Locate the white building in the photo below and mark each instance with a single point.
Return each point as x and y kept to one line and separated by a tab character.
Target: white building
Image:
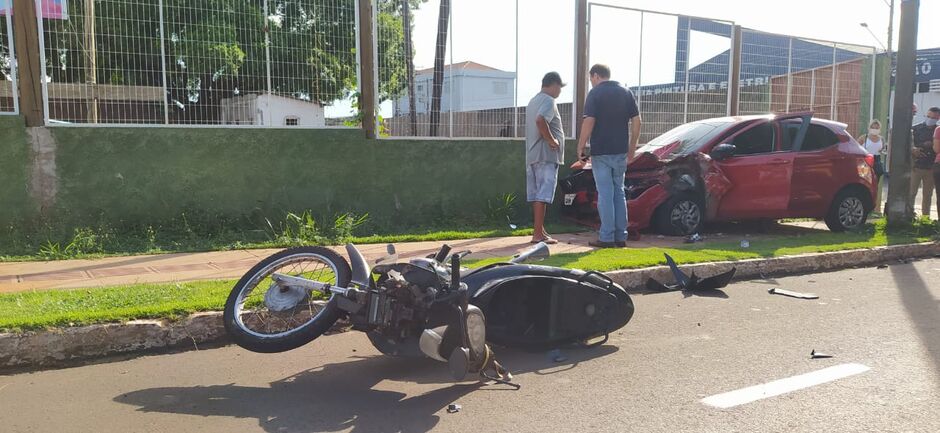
271	110
477	87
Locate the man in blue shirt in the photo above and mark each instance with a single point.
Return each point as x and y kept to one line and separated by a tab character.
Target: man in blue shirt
612	124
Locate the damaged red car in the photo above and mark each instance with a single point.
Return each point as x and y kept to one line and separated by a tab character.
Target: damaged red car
739	168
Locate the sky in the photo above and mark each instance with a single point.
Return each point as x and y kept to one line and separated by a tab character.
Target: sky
484	31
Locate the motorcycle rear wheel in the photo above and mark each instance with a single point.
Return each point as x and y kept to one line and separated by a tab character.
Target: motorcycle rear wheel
263	317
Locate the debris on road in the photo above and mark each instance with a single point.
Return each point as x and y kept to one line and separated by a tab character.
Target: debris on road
454	408
776	291
555	355
745	243
690	283
693	238
818	355
882	266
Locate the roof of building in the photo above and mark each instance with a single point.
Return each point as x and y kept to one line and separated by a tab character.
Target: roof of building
468	65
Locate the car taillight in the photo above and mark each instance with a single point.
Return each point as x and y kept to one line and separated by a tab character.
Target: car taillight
870	159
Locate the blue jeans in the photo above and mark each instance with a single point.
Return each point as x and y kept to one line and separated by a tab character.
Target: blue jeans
609	171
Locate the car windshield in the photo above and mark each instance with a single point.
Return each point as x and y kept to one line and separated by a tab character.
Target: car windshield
685	139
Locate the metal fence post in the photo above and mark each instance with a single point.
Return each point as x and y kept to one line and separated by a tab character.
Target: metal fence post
367	57
29	57
734	71
13	65
688	55
166	90
834	84
267	45
580	63
871	97
515	84
789	74
639	73
450	92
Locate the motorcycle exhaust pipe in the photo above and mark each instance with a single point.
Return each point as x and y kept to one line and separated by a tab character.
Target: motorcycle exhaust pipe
538	252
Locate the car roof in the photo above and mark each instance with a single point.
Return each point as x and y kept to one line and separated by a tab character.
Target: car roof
771	116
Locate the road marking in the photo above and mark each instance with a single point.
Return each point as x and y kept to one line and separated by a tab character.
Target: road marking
783	386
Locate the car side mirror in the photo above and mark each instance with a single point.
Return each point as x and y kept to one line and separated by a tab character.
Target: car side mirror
723	151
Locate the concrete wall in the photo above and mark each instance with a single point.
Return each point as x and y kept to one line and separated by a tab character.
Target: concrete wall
133	176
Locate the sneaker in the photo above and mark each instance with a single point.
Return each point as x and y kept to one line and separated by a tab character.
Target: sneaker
602	244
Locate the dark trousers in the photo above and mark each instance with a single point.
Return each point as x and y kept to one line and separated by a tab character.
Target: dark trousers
936	182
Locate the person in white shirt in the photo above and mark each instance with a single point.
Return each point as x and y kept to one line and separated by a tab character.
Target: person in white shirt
874	144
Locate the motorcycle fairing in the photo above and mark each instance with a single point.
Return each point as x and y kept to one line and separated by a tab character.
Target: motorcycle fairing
537	307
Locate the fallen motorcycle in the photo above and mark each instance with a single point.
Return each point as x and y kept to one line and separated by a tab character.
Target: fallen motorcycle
428	306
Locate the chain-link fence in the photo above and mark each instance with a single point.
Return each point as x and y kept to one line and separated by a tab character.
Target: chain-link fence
213	62
471	67
9	103
781	73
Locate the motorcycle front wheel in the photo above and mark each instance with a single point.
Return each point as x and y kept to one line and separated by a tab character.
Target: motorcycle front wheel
263	316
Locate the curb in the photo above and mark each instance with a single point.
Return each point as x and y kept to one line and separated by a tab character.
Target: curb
61	347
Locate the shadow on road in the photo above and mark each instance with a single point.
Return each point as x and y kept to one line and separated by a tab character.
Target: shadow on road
922	306
340	396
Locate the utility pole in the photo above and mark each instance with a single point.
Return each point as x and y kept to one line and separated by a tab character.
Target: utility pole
26	41
899	185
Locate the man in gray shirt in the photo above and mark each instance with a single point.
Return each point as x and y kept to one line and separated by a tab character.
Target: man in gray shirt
544	152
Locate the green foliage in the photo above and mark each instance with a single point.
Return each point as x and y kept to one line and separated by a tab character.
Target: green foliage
217	48
501	209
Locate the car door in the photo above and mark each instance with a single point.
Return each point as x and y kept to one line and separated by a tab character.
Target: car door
759	173
815	170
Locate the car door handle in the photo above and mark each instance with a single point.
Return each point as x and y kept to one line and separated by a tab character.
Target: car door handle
778	161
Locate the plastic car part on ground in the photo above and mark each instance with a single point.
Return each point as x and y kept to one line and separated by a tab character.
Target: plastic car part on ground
690	283
792	294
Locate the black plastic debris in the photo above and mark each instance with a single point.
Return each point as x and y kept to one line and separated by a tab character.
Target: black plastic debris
555	355
882	266
690	283
693	238
792	294
454	408
818	355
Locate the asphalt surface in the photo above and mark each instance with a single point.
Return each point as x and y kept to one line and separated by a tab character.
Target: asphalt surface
652	376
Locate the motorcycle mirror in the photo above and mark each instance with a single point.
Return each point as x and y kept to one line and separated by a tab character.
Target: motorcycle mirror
538	252
511	225
391	257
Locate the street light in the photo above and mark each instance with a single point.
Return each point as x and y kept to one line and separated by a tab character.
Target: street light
865	25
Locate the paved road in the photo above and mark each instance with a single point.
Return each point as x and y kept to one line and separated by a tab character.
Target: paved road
651	377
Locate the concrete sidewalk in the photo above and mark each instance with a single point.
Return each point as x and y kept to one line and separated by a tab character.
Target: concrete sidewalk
19	276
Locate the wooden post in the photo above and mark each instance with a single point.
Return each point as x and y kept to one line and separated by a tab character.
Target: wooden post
580	62
367	67
734	87
91	61
26	39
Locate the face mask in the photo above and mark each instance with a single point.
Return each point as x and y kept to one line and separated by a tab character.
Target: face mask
931	122
874	131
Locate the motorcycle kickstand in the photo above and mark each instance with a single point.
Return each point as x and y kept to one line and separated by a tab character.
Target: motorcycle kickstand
500	370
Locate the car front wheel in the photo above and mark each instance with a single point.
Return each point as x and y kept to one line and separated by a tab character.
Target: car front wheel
681	215
847	212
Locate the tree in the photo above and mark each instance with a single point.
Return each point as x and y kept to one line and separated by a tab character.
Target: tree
217	49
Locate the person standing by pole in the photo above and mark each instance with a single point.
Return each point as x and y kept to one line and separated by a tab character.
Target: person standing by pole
612	124
544	152
922	151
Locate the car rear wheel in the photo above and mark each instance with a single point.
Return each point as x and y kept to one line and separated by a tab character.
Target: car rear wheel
680	215
848	211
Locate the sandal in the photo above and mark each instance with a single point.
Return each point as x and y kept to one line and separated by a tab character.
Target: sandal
549	241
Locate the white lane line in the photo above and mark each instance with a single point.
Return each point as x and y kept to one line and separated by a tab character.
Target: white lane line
783	386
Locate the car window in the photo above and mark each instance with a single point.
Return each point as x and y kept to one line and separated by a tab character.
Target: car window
759	139
818	137
686	138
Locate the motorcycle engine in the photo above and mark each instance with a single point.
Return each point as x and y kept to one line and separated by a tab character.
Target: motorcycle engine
404	295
